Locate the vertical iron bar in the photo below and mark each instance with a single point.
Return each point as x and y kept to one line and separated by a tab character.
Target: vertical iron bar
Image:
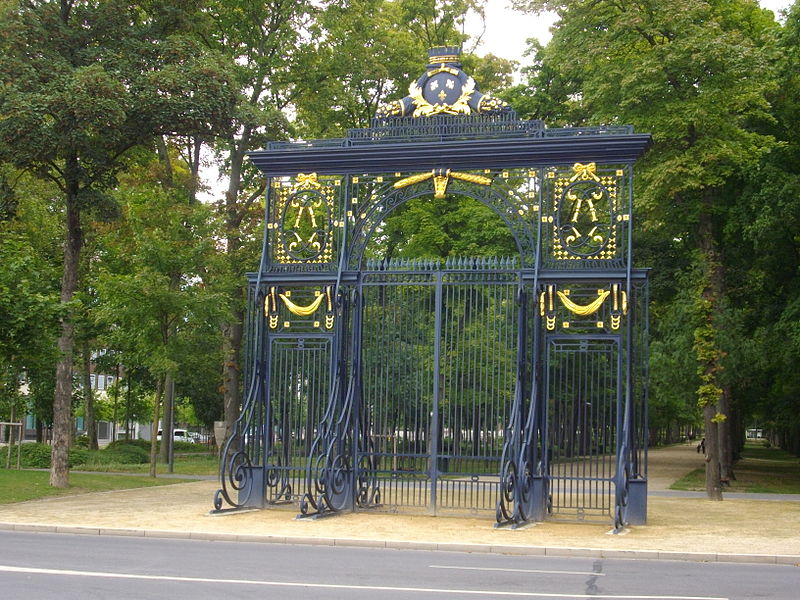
437	351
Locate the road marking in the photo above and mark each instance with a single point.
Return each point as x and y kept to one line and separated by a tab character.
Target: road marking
333	586
518	570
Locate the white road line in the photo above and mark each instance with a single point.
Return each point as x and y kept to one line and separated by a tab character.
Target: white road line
330	586
517	570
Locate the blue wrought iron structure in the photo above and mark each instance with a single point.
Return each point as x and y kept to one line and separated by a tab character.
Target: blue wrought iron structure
508	386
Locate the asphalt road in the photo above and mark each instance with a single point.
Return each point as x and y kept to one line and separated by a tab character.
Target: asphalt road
60	566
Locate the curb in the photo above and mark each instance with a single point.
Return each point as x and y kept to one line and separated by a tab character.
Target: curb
773	559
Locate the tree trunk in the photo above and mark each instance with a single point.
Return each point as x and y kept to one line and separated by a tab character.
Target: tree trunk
128	390
232	346
166	423
713	486
88	399
62	401
706	345
233	331
725	428
154	426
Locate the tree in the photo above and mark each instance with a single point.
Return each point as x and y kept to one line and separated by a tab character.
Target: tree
154	284
85	81
695	74
259	40
28	296
763	259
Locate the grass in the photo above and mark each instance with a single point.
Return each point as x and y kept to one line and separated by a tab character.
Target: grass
761	470
19	486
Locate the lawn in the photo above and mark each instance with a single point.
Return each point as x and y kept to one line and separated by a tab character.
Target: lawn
761	470
19	486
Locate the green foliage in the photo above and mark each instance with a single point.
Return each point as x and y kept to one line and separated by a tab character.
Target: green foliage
123	445
453	226
126	454
35	456
154	276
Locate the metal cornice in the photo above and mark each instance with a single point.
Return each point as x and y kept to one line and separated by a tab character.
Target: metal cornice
462	154
349	277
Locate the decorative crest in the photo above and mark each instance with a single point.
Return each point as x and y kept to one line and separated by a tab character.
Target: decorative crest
444	89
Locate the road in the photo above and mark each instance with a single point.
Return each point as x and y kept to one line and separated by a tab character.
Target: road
59	566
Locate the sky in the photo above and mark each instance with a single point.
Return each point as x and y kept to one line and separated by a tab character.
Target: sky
507	30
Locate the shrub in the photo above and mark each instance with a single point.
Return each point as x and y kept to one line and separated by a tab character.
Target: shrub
125	455
143	444
189	447
82	441
35	456
78	456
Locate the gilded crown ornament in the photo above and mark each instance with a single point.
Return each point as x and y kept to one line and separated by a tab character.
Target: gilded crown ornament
444	89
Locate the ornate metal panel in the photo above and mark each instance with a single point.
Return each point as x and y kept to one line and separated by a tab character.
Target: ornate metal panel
583	423
304	222
512	194
586	217
299	384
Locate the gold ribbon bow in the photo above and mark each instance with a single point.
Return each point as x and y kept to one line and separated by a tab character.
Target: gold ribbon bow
584	172
306	181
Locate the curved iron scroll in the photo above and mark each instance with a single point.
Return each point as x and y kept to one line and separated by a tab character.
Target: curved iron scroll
624	472
329	470
236	471
515	472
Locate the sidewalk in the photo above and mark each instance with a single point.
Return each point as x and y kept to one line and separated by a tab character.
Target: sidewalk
680	528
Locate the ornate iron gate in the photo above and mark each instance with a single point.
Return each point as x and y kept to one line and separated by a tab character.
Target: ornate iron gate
513	386
439	371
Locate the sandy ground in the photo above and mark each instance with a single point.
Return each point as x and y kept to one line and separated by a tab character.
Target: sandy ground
674	524
666	465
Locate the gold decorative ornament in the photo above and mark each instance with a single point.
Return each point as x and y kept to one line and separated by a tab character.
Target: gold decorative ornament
588	198
302	311
306	181
271	308
547	307
588	309
426	109
303	221
441	178
585	172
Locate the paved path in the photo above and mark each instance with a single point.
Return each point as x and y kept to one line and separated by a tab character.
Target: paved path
682	526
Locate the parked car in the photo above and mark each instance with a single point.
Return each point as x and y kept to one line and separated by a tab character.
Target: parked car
178	435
